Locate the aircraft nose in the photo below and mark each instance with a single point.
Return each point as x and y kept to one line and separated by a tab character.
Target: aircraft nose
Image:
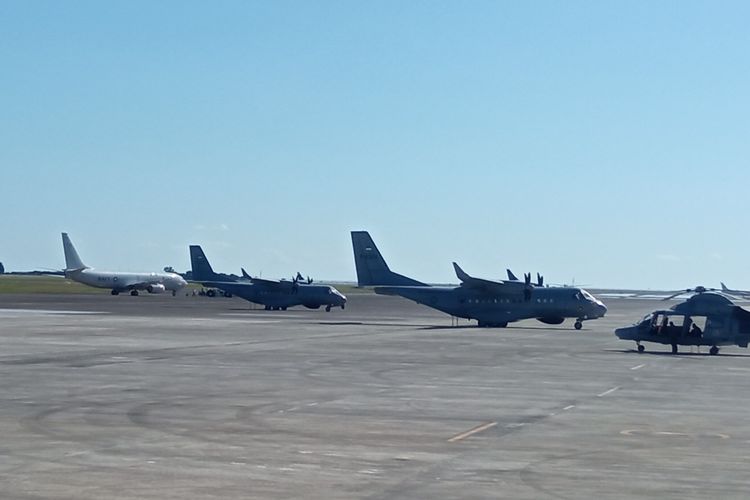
623	333
602	309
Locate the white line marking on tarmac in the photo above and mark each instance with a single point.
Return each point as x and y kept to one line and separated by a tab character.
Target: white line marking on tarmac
609	391
569	407
472	431
638	367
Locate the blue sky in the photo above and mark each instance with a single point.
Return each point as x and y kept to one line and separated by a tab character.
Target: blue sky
602	141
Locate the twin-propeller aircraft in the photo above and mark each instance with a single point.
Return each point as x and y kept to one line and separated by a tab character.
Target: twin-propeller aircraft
491	303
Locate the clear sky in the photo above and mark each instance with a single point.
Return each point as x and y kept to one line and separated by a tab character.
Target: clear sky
606	141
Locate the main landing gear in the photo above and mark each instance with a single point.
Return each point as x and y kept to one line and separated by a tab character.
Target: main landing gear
641	348
674	348
713	351
578	325
134	293
115	292
328	308
487	324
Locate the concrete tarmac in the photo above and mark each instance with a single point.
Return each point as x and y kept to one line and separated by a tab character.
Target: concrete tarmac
160	397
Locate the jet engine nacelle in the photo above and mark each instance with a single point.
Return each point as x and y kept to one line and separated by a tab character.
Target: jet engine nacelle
551	321
156	288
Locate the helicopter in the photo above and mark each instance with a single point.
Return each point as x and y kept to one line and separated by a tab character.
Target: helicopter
707	318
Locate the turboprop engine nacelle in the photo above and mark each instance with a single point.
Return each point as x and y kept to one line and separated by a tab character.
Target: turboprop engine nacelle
156	288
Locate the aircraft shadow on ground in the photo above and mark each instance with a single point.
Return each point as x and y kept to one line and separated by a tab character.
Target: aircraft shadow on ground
681	354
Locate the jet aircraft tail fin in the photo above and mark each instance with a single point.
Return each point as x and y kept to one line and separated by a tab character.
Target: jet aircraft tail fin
72	260
202	270
511	276
723	287
372	269
244	274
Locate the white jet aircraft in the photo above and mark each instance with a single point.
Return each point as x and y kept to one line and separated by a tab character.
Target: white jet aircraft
76	270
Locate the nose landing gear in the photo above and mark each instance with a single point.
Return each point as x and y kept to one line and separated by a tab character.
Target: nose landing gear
713	351
578	325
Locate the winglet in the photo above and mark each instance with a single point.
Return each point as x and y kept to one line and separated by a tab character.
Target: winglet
460	273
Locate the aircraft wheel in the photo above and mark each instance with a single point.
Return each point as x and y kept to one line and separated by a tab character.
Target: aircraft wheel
283	308
174	293
211	293
641	348
577	325
674	348
713	351
268	308
342	306
328	308
134	293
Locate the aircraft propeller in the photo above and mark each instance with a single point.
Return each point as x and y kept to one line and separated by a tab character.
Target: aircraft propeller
299	278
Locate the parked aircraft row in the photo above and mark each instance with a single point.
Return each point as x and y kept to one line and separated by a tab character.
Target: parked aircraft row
707	318
491	303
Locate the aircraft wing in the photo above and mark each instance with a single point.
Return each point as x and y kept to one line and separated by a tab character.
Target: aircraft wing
488	285
276	284
137	285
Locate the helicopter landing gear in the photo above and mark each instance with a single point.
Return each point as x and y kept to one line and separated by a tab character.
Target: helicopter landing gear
577	325
328	308
134	293
115	292
713	351
641	348
674	348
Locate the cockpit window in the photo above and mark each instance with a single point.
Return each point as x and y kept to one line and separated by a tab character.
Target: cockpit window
587	295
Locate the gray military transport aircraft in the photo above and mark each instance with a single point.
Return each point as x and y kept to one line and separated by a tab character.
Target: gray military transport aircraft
274	295
491	303
76	270
707	318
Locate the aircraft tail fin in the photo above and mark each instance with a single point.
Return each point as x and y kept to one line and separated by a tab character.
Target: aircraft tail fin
372	269
511	276
72	260
244	274
724	287
202	270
